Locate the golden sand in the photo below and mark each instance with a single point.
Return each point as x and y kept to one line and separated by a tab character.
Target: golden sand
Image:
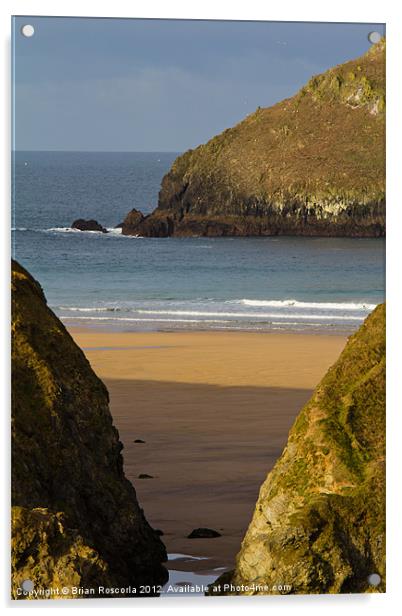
214	410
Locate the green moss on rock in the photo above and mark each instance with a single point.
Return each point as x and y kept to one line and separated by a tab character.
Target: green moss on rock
319	522
76	519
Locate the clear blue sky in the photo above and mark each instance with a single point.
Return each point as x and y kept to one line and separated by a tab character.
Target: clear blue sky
161	85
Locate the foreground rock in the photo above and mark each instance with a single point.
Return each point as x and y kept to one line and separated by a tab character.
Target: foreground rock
319	522
88	225
75	517
312	165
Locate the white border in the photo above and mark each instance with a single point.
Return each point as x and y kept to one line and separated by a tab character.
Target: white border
290	10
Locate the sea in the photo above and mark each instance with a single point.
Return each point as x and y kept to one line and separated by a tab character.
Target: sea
298	284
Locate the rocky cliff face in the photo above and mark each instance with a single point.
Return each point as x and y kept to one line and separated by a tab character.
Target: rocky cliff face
319	522
310	165
75	517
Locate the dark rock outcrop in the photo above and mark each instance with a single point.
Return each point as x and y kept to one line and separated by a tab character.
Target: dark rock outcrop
75	517
88	225
131	222
203	533
319	522
311	165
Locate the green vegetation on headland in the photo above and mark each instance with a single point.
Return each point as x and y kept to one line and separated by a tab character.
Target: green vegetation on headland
76	521
312	165
319	522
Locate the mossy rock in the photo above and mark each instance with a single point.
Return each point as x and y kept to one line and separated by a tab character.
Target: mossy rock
76	518
319	522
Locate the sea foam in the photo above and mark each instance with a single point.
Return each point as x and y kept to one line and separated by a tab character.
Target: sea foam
293	303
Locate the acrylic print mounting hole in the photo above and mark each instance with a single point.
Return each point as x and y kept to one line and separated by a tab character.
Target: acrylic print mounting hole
27	586
374	37
374	579
27	30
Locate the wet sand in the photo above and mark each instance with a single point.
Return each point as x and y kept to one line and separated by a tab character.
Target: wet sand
214	410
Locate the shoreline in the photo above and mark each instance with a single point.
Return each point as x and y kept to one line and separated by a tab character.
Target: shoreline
214	410
72	324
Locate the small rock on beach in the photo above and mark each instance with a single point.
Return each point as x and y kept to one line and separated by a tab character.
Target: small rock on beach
203	533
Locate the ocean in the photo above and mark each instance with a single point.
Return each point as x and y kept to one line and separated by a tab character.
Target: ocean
132	283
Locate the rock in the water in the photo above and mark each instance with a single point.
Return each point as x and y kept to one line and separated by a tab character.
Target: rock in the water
75	517
88	225
203	533
131	222
139	440
311	165
145	476
319	522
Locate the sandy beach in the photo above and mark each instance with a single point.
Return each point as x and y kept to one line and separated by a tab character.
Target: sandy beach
214	410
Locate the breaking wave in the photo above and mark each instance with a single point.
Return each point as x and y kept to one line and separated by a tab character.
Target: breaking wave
293	303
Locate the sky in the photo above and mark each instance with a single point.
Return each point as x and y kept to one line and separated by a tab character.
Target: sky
160	85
